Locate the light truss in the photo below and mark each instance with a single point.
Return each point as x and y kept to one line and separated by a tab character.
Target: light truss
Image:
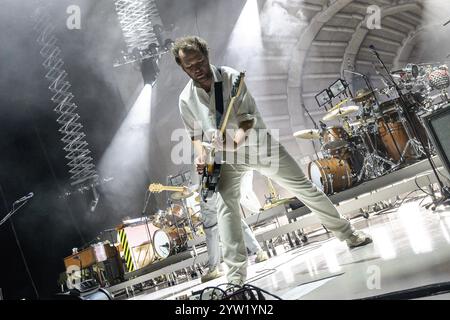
80	163
137	19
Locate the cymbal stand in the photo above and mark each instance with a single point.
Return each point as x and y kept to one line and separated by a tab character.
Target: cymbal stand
316	127
175	222
188	215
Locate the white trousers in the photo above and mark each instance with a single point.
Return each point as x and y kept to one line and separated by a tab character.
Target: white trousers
210	226
289	176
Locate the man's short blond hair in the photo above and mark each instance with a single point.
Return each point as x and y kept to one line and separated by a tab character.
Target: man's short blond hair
190	43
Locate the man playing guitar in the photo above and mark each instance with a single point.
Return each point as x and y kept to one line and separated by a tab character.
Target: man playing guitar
197	108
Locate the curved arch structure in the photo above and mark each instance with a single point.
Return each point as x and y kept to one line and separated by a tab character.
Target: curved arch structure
294	89
361	32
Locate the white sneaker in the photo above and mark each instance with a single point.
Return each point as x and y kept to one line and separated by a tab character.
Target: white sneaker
233	288
261	256
212	274
358	239
234	285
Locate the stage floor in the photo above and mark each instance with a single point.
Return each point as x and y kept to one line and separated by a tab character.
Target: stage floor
411	248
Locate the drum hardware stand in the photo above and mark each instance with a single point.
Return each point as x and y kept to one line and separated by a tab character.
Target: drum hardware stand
445	191
415	145
331	180
188	215
177	227
370	167
371	89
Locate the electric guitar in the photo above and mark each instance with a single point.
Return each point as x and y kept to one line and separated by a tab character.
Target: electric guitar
179	192
211	174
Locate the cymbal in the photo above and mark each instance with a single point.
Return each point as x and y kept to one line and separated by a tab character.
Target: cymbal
310	134
355	124
340	113
181	195
362	95
362	122
337	106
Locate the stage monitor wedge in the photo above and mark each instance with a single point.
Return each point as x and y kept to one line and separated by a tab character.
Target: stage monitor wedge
437	124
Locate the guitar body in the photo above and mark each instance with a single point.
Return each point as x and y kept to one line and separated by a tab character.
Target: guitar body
210	181
211	174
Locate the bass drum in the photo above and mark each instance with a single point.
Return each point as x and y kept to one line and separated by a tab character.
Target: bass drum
162	244
330	175
165	241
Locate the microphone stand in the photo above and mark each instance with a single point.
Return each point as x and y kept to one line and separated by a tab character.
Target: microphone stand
147	198
6	218
12	212
315	126
445	191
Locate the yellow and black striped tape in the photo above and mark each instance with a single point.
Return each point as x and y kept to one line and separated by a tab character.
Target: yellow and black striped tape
126	250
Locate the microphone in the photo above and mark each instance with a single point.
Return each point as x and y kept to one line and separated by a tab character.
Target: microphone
373	50
24	198
322	125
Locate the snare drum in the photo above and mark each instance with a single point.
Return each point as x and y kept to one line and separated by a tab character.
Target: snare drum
330	175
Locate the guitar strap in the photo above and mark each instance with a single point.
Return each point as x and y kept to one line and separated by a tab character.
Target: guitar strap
218	92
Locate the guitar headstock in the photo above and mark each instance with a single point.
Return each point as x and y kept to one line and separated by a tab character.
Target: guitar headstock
237	85
156	187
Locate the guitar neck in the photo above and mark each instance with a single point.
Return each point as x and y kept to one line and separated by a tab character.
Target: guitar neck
231	105
227	115
171	188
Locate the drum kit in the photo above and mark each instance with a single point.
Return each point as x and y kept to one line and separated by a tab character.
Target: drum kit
178	224
164	233
372	139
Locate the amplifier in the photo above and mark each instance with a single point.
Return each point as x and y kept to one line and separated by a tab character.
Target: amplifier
91	255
